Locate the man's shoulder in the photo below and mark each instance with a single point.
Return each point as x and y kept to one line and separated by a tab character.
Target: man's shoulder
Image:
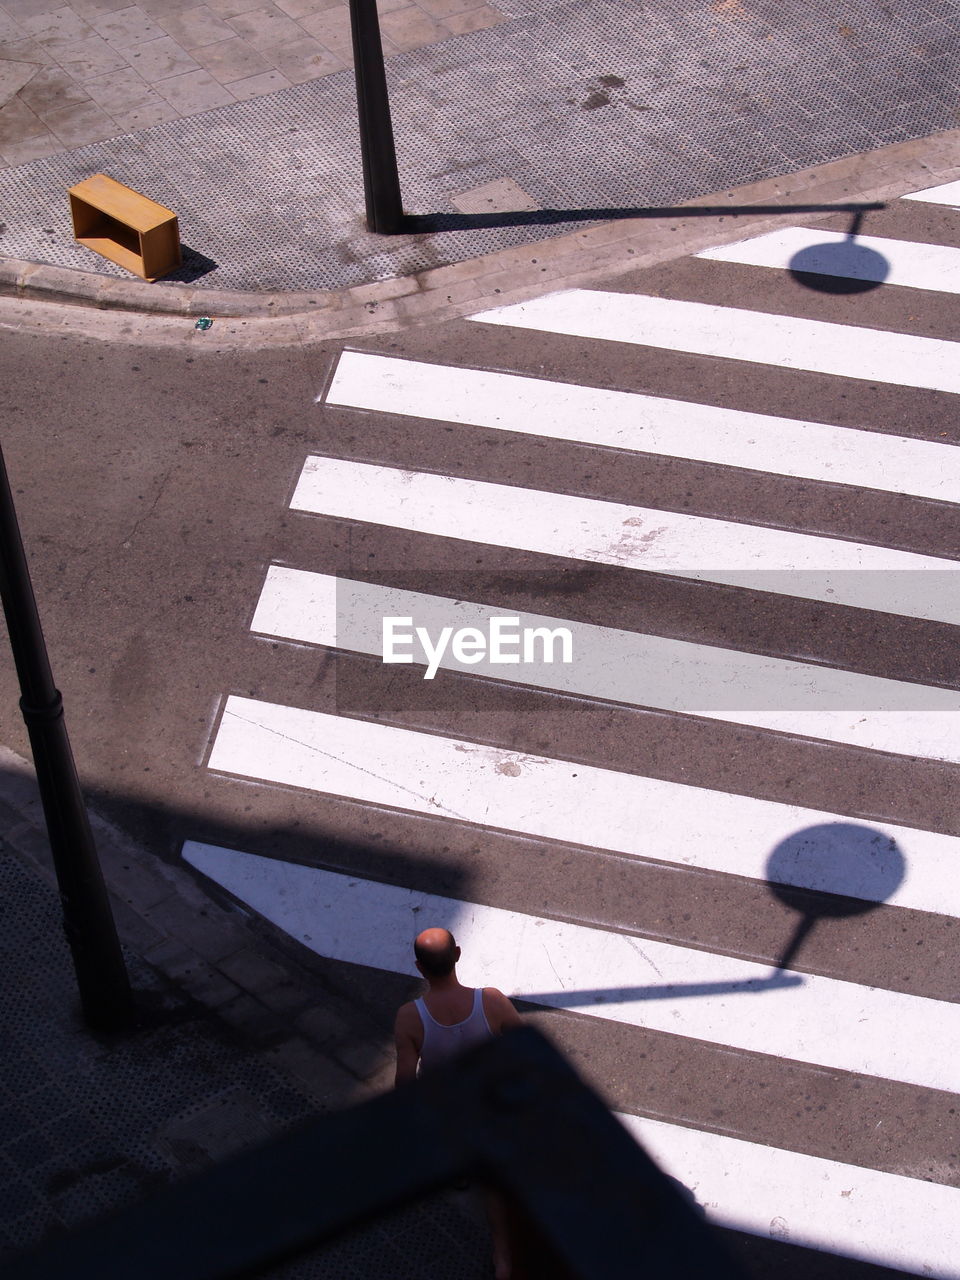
407	1015
498	1007
493	993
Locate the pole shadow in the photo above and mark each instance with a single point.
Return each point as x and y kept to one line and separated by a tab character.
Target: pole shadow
829	871
832	870
431	223
840	266
660	991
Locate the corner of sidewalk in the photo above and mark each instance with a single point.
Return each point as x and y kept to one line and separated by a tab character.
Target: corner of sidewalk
601	249
331	1050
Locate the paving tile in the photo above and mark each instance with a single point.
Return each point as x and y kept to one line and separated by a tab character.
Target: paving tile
118	90
160	9
13	76
266	27
444	8
88	58
332	29
51	89
19	9
34	148
305	59
209	986
81	124
232	59
257	86
410	28
252	970
194	91
26	50
18	122
229	8
502	196
160	59
10	29
90	10
128	27
479	19
299	8
60	24
151	111
196	27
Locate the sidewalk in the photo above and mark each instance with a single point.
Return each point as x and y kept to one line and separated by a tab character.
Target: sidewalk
550	113
237	1049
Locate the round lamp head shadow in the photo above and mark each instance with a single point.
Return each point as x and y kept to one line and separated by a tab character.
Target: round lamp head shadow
839	266
859	867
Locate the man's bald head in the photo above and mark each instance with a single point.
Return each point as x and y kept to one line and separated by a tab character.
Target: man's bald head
437	952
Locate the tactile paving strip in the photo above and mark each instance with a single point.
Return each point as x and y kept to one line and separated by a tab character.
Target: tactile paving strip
585	104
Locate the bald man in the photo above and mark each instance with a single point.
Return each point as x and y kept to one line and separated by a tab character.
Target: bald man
448	1017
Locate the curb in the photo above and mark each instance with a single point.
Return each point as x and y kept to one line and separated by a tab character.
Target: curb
215	955
518	272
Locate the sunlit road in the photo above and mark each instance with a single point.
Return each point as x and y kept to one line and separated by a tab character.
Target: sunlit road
717	849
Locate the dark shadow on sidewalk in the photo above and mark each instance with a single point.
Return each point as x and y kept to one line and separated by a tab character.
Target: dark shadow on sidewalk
193	266
430	223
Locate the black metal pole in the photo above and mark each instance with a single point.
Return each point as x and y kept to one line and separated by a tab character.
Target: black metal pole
87	919
381	183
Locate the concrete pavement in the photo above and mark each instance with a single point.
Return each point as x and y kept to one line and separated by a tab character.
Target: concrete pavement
132	311
515	123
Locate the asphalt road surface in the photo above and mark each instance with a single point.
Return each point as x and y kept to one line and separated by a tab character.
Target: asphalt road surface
716	849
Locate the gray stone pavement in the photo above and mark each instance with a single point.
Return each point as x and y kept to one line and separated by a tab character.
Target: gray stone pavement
514	122
237	1046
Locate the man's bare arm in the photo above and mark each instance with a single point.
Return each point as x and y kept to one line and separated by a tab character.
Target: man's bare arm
408	1037
499	1010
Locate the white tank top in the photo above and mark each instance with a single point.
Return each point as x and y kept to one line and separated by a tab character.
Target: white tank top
441	1043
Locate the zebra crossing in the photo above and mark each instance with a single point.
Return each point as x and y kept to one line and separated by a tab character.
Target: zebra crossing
816	1033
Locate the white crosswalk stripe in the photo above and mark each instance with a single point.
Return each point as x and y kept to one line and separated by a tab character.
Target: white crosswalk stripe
648	424
554	799
643	670
896	262
760	558
947	194
786	342
579	960
881	1217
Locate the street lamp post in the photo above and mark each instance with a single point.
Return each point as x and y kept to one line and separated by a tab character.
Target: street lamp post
87	919
381	183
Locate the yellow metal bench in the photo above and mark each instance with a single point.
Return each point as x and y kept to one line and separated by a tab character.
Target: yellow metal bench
124	226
